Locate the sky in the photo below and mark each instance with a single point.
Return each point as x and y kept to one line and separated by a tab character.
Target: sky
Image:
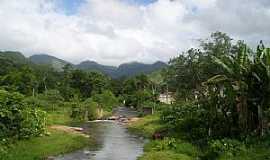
116	31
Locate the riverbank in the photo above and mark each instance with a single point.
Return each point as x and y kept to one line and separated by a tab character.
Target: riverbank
145	126
161	149
38	148
177	149
58	141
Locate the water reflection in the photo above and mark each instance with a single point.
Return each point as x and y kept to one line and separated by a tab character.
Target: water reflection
113	143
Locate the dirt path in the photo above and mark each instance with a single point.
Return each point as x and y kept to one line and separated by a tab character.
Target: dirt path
72	130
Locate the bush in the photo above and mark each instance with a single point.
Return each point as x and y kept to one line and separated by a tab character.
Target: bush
224	147
185	119
33	123
84	111
91	108
17	120
166	144
164	155
77	111
172	145
51	100
147	126
106	100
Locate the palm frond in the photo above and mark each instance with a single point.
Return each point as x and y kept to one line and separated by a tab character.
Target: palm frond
216	79
222	64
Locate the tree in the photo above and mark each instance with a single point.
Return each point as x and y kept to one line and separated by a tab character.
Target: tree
247	76
228	82
137	90
22	80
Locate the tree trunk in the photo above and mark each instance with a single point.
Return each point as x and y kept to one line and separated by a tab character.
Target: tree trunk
33	92
260	120
243	113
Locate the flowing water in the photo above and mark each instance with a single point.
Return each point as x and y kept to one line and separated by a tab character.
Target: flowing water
114	142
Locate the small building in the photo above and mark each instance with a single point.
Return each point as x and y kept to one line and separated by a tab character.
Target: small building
166	98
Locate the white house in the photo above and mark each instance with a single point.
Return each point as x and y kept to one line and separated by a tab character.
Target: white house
166	98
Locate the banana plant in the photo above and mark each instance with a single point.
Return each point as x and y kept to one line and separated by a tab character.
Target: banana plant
260	84
249	78
232	83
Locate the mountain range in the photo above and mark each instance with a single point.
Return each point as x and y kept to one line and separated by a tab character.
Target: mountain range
123	70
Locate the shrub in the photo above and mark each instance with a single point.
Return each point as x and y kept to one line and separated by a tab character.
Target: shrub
91	108
17	120
106	100
77	111
33	123
186	119
174	145
225	147
166	144
51	100
83	111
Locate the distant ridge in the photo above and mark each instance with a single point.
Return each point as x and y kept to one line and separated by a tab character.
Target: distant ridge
124	70
45	59
94	66
16	57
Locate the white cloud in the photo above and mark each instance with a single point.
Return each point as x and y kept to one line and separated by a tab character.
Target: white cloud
117	31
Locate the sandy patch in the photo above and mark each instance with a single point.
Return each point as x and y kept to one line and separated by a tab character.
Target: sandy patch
72	130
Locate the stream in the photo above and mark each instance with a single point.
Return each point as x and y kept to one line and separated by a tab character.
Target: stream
114	142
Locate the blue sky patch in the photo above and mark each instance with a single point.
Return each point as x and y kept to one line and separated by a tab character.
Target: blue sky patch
70	7
145	2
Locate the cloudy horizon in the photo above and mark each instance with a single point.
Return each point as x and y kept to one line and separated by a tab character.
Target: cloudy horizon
112	32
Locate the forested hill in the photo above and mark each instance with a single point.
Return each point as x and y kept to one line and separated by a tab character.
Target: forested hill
92	65
44	59
124	70
15	57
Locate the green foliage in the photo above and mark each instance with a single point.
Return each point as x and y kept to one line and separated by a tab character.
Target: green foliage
186	119
61	116
88	109
51	100
78	110
91	107
224	148
230	84
174	149
172	144
81	83
147	126
106	100
22	80
17	120
222	98
164	155
33	123
39	148
138	90
190	69
166	144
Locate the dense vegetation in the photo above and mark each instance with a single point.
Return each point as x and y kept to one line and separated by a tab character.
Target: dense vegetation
221	108
223	87
34	96
19	120
222	102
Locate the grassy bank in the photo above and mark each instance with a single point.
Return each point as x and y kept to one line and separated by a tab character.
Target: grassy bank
146	126
59	117
166	149
57	142
40	147
178	149
169	149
